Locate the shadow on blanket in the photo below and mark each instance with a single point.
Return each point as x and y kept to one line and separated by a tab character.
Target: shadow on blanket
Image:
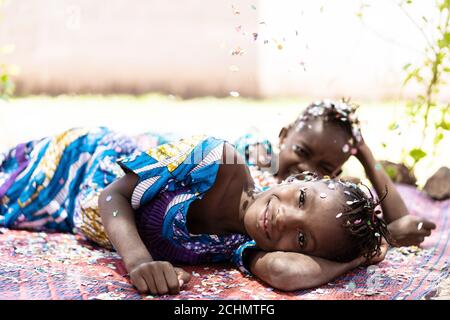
63	266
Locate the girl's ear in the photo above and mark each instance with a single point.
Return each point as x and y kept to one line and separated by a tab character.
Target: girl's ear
283	133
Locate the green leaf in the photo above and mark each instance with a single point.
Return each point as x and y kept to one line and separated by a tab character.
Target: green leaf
391	172
438	138
445	41
417	154
445	125
393	126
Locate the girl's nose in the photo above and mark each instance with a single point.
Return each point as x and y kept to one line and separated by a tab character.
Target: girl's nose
287	217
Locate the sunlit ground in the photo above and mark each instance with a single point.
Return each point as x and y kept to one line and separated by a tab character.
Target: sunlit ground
27	118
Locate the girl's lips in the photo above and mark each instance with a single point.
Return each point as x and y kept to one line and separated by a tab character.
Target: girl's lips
265	219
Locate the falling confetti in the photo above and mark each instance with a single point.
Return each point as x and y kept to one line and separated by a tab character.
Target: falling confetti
238	51
115	213
323	195
108	198
238	28
339	215
378	167
234	68
332	186
345	148
234	94
351	285
235	10
419	226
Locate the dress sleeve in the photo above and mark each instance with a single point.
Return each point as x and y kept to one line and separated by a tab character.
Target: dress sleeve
191	163
239	256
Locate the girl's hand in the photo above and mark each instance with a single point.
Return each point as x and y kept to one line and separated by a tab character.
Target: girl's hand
410	230
158	277
380	257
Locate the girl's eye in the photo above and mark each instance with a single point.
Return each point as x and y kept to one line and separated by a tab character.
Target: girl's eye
302	197
301	239
299	150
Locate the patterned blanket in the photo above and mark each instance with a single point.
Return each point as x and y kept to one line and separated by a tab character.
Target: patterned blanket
64	266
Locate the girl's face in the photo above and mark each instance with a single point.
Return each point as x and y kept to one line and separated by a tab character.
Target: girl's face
297	217
317	147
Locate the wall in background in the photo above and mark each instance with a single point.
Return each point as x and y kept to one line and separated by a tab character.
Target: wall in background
302	48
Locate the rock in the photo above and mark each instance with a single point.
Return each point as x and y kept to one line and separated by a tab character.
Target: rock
438	185
399	173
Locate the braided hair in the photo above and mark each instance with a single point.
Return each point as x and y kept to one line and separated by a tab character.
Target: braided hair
342	113
359	217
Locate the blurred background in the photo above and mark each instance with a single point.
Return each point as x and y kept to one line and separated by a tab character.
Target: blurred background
226	68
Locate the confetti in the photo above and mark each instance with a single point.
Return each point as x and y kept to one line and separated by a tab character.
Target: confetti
345	148
378	167
339	215
108	198
255	36
351	285
234	68
238	28
253	7
238	51
420	225
235	10
323	195
115	213
279	46
234	94
332	186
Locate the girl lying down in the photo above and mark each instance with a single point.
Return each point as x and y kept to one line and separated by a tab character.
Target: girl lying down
188	202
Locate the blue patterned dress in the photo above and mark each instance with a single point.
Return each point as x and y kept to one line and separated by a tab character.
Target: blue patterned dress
53	184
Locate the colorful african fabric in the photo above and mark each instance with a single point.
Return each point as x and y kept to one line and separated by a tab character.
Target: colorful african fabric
176	174
53	184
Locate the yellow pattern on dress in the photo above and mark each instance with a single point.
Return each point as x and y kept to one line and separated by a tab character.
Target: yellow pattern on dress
178	150
51	158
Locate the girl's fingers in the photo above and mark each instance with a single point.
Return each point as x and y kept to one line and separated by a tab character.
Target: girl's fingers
425	232
140	284
148	277
160	282
172	280
183	275
429	225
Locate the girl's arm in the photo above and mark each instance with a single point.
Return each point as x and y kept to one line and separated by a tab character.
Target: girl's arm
158	277
404	228
119	222
393	206
290	271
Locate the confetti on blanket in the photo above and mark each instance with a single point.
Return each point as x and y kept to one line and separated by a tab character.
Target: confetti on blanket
64	266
